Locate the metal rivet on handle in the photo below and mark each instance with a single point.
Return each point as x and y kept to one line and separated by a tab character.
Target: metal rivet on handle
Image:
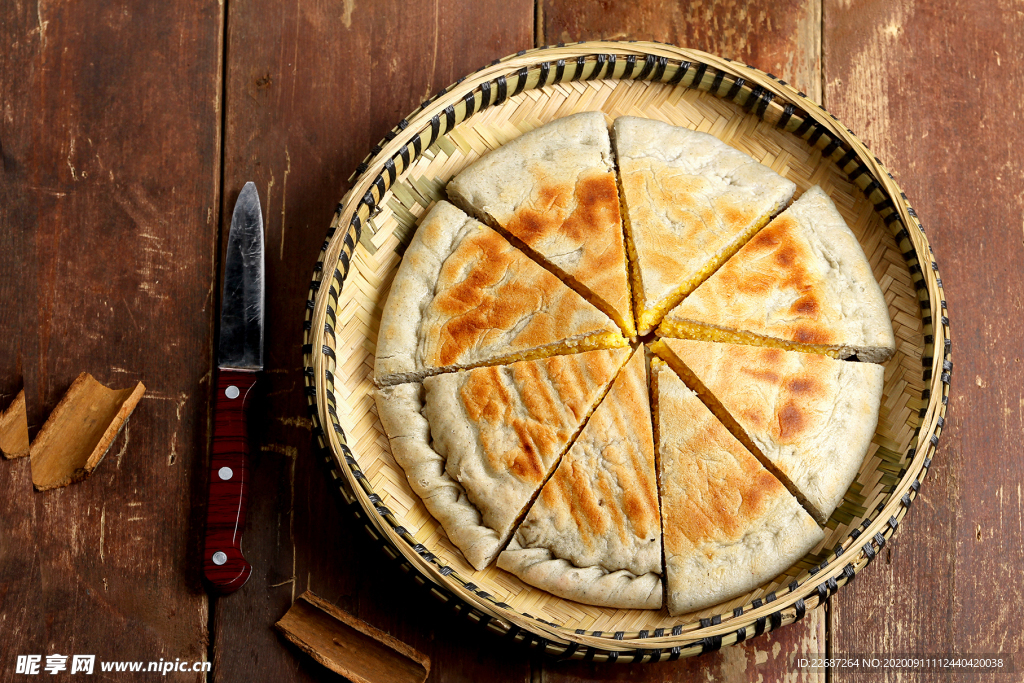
224	473
219	558
231	391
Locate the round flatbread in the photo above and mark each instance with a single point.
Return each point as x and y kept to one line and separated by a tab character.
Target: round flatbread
498	347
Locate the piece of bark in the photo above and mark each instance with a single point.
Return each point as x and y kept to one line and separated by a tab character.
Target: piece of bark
14	428
79	431
349	646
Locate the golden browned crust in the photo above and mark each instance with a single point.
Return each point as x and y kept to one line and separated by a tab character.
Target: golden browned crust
811	418
577	228
464	296
593	533
487	290
729	525
803	279
501	430
553	189
691	201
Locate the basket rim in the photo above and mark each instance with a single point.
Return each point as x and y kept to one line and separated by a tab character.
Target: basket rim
764	95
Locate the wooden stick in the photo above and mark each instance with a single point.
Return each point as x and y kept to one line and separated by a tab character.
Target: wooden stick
14	428
79	431
349	646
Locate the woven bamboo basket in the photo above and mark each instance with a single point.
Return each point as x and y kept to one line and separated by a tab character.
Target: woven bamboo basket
751	110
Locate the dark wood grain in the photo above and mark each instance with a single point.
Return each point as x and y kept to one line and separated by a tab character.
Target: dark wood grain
310	89
228	499
110	210
110	170
20	203
932	88
783	38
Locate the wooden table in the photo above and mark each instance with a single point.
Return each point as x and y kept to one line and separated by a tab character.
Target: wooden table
127	129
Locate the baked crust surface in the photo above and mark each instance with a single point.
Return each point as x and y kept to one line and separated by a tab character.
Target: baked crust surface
729	524
803	279
554	190
497	432
691	201
593	534
464	296
810	418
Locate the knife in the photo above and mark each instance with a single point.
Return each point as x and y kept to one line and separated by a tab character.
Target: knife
239	359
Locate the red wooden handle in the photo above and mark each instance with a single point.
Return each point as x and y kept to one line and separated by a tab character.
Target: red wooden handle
223	564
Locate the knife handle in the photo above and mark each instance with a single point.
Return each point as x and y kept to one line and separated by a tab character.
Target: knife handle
223	564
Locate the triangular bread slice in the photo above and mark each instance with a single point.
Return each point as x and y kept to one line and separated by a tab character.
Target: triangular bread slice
594	534
801	283
690	202
463	296
729	525
477	445
553	190
808	418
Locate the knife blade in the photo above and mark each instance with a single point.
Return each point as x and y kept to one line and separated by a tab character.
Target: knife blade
239	359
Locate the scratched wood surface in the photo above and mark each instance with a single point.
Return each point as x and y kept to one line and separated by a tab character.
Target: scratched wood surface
783	38
110	566
308	94
933	88
110	143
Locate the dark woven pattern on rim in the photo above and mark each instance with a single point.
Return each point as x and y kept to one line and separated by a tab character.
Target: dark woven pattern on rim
762	95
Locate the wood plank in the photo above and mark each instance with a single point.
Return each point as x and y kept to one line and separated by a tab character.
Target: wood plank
17	257
780	37
930	87
110	164
299	119
783	38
